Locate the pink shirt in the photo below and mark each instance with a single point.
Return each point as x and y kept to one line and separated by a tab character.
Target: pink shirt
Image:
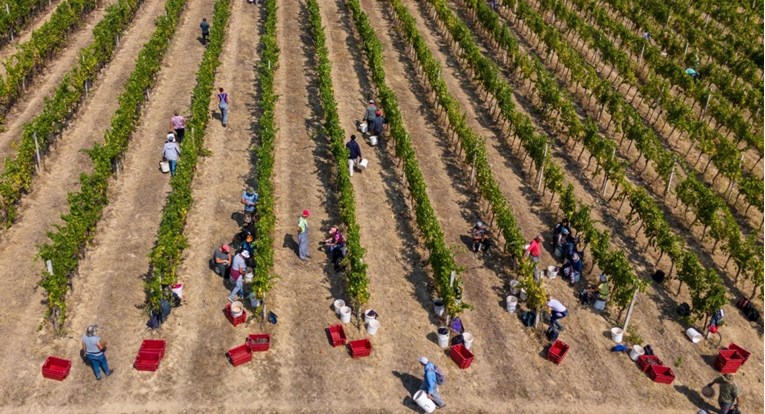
534	248
178	122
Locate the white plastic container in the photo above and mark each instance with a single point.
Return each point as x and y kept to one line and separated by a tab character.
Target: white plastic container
345	314
468	338
363	127
178	289
369	315
237	308
515	287
372	326
422	400
552	272
443	337
338	304
599	304
694	335
636	352
364	163
164	166
512	303
438	307
617	334
373	140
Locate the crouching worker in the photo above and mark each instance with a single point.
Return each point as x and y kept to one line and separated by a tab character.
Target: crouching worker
335	245
222	260
596	294
572	269
481	238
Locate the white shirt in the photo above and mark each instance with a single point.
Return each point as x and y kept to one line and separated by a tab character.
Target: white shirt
556	306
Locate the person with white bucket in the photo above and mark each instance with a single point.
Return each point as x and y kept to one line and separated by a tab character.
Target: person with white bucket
171	152
354	154
433	378
376	128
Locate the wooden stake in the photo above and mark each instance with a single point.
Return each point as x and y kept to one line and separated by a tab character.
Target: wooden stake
541	173
629	312
37	153
669	182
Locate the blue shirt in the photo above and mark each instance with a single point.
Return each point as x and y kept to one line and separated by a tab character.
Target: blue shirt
250	198
430	378
91	344
354	151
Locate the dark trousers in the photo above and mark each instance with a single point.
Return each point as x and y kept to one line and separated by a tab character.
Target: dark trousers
204	37
179	134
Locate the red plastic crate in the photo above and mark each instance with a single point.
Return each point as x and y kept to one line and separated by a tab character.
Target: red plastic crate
557	351
661	374
56	368
234	321
743	352
239	355
645	361
461	356
360	348
336	335
728	361
155	345
147	361
258	342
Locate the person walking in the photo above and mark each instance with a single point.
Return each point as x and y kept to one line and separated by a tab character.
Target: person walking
94	350
557	311
238	269
729	393
534	251
354	154
303	236
378	124
171	152
178	124
223	102
205	30
370	112
430	382
222	260
250	200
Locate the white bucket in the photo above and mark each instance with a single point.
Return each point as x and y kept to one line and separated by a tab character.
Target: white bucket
248	277
237	308
164	166
468	338
693	335
599	304
552	272
636	352
617	334
422	400
372	326
338	304
373	140
512	303
254	301
515	287
178	289
443	338
522	295
345	314
364	163
369	315
438	306
363	127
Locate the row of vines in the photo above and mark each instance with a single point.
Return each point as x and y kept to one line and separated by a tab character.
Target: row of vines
17	14
68	242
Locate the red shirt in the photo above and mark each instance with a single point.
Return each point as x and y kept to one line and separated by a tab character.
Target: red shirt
535	249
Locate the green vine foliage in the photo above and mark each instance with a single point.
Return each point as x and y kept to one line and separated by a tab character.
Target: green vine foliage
165	257
441	257
68	242
18	16
356	277
16	176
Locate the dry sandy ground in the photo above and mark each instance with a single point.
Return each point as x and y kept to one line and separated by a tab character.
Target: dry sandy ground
302	372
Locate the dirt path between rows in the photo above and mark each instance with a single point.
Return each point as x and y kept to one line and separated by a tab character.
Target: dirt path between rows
41	209
108	287
40	19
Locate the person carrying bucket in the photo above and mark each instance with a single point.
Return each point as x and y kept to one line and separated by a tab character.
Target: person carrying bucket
729	393
431	381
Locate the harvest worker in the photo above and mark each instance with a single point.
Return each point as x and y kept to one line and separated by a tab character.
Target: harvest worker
480	235
557	311
303	236
378	124
94	351
560	233
572	269
534	251
222	260
729	393
250	200
178	124
223	103
205	30
430	382
370	112
599	292
335	246
354	154
237	270
171	152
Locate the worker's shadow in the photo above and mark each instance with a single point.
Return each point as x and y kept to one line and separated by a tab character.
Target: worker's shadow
411	384
290	242
695	398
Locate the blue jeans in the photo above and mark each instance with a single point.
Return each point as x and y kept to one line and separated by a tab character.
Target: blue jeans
98	363
223	113
238	288
725	407
173	164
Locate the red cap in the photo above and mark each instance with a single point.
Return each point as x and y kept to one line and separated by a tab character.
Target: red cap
306	213
225	248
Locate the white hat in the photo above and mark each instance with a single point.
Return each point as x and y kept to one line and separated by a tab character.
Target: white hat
245	254
423	360
479	223
371	101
